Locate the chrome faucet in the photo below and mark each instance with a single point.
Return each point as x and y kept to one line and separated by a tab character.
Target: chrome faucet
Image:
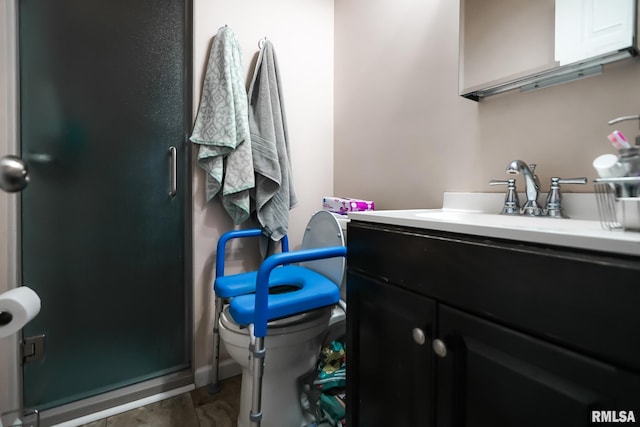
532	186
553	206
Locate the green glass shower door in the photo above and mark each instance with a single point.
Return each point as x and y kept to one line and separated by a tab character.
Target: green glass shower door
104	119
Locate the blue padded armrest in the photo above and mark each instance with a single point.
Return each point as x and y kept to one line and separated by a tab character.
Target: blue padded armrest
262	282
234	234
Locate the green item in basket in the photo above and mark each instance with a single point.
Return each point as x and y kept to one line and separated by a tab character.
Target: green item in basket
333	406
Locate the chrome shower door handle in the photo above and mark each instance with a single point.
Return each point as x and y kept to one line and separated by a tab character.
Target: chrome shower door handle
173	171
14	174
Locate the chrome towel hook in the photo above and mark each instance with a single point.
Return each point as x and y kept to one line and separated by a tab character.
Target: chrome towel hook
261	42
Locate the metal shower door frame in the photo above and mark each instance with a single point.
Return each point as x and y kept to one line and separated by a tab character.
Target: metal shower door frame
9	216
11	387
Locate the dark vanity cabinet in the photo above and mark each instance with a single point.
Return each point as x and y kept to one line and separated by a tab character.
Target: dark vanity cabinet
394	374
447	329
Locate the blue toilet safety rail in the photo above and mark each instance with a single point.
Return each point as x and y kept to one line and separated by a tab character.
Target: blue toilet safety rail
262	313
223	292
235	234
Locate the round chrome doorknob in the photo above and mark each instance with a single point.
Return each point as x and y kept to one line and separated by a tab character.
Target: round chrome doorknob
418	336
14	174
439	347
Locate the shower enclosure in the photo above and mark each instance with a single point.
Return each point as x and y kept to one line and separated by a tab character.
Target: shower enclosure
103	91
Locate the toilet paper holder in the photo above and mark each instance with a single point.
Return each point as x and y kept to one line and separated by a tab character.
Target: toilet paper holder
33	348
5	318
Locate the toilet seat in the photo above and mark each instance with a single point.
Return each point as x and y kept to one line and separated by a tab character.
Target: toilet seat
283	326
314	283
323	230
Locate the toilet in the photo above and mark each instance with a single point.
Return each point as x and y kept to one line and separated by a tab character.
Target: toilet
293	343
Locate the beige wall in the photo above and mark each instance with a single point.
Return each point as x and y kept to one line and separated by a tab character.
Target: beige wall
403	136
492	34
302	35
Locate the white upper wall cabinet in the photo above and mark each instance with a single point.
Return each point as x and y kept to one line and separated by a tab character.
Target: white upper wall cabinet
588	28
525	44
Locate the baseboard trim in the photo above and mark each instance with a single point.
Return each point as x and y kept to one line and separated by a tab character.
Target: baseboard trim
202	376
227	369
126	407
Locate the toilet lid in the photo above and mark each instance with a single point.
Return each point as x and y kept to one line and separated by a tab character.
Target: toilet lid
323	229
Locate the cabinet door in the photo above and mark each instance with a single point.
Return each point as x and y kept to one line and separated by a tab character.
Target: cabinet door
389	359
589	28
495	376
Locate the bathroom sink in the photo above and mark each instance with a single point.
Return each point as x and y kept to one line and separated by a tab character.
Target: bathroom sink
446	215
428	217
576	233
481	219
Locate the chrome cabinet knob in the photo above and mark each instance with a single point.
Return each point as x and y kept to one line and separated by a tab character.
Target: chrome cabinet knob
14	174
439	347
418	336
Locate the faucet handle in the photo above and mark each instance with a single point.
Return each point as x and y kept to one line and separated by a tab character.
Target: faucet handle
581	180
501	181
511	201
553	207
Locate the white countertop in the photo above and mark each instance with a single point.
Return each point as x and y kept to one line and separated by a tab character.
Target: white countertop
457	216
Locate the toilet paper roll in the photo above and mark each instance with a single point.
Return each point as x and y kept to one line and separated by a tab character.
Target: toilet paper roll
17	307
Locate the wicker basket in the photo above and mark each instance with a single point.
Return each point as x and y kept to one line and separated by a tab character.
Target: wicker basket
619	202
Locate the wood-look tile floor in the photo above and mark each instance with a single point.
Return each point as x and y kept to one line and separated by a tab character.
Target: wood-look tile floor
193	409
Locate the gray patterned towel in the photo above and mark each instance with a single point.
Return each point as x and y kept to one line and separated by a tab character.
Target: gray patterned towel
274	195
222	128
